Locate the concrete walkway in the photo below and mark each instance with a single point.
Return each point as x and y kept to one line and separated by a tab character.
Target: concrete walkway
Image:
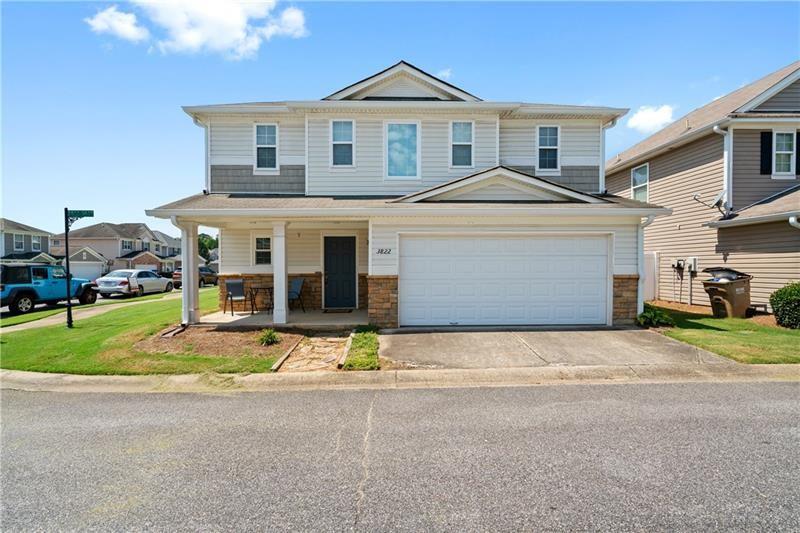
397	379
81	312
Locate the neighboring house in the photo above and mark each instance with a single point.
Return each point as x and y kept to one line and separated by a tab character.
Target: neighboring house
20	243
111	246
742	149
407	196
173	245
213	259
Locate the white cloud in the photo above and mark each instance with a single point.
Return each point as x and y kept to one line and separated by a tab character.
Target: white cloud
234	29
114	22
445	73
649	119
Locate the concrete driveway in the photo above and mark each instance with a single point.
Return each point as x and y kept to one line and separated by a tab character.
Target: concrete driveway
503	349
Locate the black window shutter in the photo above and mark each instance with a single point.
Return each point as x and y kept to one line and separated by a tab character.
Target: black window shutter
766	152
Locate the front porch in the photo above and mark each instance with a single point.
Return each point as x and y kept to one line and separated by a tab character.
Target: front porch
311	319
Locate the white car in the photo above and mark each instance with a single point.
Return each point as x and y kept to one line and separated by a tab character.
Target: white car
132	282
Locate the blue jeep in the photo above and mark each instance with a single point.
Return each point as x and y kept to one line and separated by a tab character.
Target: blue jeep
24	286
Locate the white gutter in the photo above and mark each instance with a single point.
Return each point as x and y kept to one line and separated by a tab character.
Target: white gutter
726	165
405	212
640	263
777	217
601	188
793	222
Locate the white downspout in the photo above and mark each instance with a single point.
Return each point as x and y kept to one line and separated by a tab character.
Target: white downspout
640	263
726	166
794	222
601	188
207	133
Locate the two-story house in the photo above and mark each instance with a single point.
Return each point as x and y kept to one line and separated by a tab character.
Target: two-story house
20	243
98	248
414	199
729	172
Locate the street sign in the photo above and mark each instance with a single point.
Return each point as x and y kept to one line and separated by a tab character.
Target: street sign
70	216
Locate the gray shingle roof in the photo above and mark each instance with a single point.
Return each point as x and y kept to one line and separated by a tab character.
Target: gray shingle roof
107	230
11	226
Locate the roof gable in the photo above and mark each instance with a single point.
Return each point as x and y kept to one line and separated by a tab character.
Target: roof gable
783	97
87	254
18	227
402	81
500	184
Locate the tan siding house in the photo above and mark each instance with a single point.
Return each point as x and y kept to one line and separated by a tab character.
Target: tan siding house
691	163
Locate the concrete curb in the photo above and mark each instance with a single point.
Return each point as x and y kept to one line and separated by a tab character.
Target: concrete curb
396	379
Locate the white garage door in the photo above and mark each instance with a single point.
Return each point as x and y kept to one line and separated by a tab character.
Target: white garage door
503	280
146	267
89	271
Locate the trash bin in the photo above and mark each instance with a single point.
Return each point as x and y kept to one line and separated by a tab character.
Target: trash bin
729	292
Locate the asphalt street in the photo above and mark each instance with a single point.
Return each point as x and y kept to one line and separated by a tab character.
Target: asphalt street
722	456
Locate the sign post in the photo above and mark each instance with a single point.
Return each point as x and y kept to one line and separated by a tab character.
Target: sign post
69	218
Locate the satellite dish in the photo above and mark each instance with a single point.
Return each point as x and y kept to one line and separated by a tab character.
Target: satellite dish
718	199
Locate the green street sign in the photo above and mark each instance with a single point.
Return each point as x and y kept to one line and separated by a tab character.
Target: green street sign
75	213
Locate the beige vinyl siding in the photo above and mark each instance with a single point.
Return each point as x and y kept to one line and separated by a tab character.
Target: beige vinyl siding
385	235
580	142
749	185
231	139
303	249
404	87
367	178
764	251
109	248
786	100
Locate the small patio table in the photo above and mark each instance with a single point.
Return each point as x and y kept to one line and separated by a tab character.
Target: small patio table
267	291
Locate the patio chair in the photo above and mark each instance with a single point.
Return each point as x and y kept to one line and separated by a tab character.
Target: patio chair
235	293
296	292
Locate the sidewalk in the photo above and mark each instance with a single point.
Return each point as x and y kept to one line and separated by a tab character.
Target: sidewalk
397	379
80	312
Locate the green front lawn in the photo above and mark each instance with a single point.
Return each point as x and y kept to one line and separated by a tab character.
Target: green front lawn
105	345
363	350
737	338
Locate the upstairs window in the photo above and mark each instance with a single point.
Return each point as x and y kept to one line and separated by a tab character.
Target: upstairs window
461	144
266	147
146	246
263	251
158	248
19	242
402	150
549	139
784	154
640	183
36	243
127	246
342	143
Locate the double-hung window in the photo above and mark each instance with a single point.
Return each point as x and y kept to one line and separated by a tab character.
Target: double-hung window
461	144
402	150
266	147
36	243
19	242
549	148
127	246
640	182
146	246
783	154
342	143
262	251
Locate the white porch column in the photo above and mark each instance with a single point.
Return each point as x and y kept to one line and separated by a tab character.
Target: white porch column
190	311
279	273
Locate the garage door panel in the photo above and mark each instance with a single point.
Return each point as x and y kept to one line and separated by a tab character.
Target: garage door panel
474	280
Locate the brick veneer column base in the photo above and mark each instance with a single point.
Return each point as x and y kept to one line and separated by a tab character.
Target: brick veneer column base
382	295
626	290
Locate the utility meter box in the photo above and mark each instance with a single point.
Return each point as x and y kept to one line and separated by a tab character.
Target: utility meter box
691	264
676	263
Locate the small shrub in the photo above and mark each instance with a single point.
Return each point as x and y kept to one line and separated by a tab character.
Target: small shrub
653	317
785	304
269	337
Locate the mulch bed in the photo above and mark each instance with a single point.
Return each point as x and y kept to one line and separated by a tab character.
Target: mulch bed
760	319
202	341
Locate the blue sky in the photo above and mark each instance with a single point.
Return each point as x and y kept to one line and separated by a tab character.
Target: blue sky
91	114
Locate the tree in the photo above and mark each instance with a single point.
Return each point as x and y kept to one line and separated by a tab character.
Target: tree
205	243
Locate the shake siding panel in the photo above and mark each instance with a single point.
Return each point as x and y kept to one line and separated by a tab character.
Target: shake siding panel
749	185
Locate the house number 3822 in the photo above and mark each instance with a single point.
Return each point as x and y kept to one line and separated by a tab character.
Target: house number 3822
384	251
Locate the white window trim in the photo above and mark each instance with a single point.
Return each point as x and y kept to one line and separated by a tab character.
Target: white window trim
259	235
122	246
646	184
21	246
471	144
549	171
331	143
792	160
36	243
267	171
385	149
